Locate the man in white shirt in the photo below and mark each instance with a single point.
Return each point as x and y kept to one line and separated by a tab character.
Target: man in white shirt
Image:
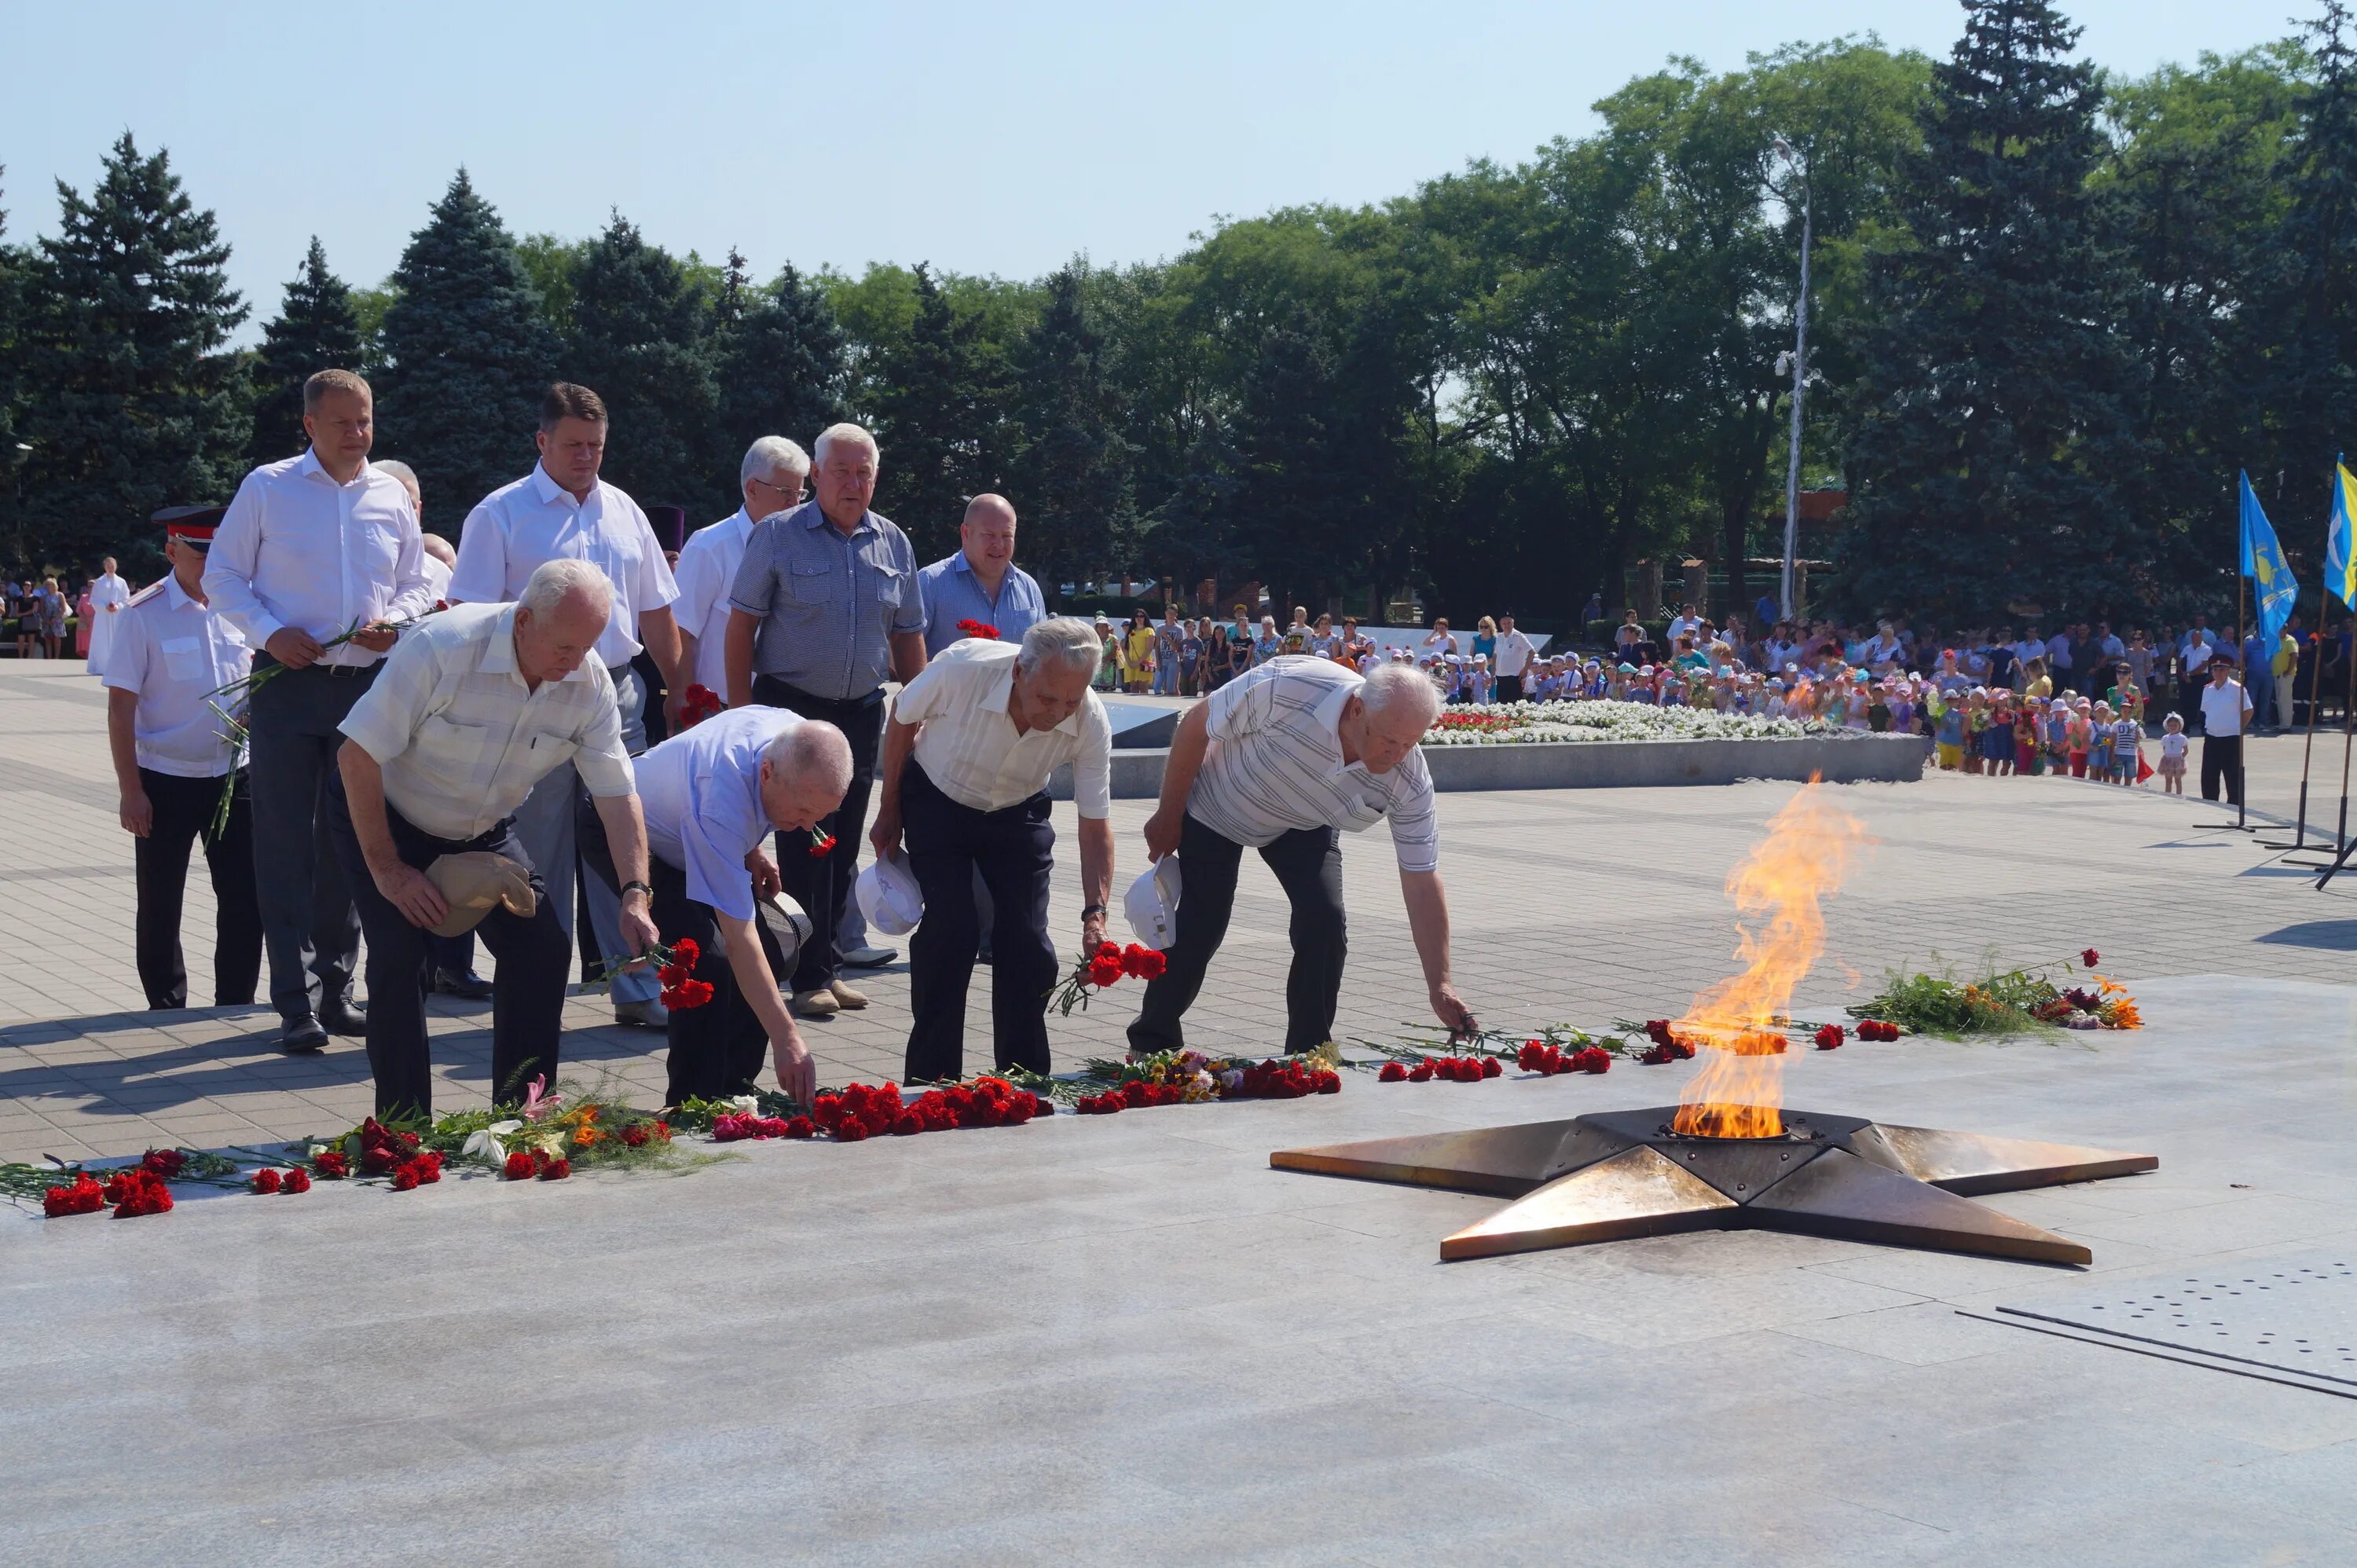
313	549
108	594
476	706
966	760
1283	761
563	511
2225	714
1685	623
772	478
1514	654
170	653
711	794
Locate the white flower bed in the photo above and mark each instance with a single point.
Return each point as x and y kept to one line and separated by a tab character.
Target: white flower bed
1605	720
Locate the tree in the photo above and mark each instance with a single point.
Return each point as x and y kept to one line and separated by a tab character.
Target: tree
315	331
778	354
1991	440
130	405
2315	306
14	264
639	340
938	410
468	356
1071	476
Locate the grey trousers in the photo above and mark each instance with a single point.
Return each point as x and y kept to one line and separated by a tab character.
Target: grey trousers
309	928
544	827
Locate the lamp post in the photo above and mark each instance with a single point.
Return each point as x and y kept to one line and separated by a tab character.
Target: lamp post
1798	361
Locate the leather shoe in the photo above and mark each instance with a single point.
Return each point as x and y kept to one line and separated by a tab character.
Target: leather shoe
648	1015
816	1004
302	1037
345	1018
454	982
844	996
869	957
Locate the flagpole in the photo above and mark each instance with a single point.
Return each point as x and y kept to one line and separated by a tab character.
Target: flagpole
2348	734
2242	740
2308	748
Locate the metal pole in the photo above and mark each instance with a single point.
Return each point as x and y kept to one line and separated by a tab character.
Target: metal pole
1800	386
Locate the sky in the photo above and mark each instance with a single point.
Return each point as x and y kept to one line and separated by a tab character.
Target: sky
998	139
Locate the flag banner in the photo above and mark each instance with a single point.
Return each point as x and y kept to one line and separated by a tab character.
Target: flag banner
2274	589
2339	560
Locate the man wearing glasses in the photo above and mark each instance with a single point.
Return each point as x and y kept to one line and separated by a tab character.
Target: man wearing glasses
772	479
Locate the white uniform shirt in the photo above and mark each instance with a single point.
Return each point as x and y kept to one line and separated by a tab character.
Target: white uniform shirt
2224	709
462	738
1277	765
108	592
1514	653
701	792
707	571
297	549
517	527
174	653
968	747
438	579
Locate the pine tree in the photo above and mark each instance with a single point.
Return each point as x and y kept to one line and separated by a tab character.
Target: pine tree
315	331
938	410
778	351
130	404
13	267
468	356
1988	460
2315	311
1071	475
639	340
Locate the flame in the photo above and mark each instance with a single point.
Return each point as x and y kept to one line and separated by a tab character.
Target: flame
1740	1093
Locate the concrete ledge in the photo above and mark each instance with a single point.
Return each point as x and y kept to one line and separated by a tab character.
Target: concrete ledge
1606	764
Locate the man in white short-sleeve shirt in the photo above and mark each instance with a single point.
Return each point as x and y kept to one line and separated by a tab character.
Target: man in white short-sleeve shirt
772	478
966	761
2225	714
1284	760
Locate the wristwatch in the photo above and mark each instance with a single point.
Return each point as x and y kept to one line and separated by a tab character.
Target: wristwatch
641	886
1091	910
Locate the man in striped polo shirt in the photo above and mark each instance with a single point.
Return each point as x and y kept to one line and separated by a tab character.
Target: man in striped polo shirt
1284	760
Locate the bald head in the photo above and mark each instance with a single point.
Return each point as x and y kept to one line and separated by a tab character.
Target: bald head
439	548
806	772
987	536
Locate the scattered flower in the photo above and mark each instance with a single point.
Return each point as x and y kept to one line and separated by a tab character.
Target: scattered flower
264	1181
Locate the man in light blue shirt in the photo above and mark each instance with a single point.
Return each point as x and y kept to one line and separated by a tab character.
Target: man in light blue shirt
981	582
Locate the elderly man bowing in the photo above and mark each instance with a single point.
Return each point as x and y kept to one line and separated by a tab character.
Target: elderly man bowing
477	705
1284	760
966	761
712	794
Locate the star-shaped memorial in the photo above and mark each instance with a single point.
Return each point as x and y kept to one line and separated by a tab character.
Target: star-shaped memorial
1621	1173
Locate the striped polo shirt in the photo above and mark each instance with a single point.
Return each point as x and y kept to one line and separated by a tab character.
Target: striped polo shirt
1277	765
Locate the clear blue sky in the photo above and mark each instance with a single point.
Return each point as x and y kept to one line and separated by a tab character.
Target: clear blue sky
983	139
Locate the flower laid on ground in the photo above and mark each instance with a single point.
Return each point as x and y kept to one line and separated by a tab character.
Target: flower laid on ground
1830	1036
1510	724
84	1194
1547	1059
135	1191
329	1164
983	629
1876	1029
265	1180
2016	1001
296	1180
1668	1046
1448	1070
1108	965
700	704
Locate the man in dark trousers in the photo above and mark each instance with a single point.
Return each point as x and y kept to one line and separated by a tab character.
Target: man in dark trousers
2225	716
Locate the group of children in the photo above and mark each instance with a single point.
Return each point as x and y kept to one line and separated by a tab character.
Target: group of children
2002	733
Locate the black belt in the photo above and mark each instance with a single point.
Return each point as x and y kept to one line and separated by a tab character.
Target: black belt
265	659
796	694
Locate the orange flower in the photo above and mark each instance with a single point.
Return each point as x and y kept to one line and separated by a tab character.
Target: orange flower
585	1136
2123	1014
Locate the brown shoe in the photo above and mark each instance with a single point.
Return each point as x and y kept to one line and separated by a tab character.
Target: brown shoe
816	1005
846	997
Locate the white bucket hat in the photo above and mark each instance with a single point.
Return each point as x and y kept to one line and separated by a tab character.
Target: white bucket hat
888	897
1151	903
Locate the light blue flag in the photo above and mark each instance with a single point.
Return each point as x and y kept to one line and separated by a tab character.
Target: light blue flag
2339	560
2263	562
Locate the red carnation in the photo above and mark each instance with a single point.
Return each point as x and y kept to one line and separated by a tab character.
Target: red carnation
821	844
264	1181
851	1131
907	1124
1420	1073
1330	1082
165	1162
1830	1036
983	629
1140	962
331	1166
296	1180
519	1166
1392	1073
1490	1068
556	1170
85	1196
405	1179
635	1135
1104	971
2091	958
800	1127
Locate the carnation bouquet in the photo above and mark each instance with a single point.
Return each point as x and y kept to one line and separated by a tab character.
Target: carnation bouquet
1109	965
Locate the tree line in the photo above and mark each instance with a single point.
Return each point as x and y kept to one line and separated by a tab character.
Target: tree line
2053	311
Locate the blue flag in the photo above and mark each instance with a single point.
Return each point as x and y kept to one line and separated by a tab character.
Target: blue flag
2263	560
2339	560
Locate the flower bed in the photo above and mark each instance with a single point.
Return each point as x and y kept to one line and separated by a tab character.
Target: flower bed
1510	724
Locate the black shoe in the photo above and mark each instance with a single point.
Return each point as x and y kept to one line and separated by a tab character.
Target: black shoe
348	1018
869	957
451	982
302	1037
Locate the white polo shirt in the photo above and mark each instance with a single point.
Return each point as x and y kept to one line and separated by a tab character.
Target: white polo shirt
701	792
707	571
173	654
516	528
297	549
2224	709
463	738
1516	652
969	748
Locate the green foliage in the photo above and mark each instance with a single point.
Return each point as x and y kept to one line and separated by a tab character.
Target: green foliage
317	329
640	339
468	355
940	422
778	354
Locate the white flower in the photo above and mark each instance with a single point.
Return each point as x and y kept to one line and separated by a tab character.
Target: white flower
745	1105
485	1146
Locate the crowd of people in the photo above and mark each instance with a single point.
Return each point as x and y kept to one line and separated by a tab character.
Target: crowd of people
376	735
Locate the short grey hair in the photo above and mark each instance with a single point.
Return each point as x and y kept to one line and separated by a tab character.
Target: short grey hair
856	434
1064	640
812	749
1391	686
772	455
399	470
554	581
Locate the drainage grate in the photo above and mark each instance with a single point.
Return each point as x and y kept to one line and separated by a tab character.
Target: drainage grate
2287	1319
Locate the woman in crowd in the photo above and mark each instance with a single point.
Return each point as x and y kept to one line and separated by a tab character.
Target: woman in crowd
1267	645
53	618
1485	639
1137	652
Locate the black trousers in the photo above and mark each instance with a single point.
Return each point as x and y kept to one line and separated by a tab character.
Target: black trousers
528	986
2221	760
1012	851
183	810
1510	688
822	884
1308	866
307	921
717	1049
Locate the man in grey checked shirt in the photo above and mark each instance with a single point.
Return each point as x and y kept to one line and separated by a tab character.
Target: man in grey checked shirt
825	607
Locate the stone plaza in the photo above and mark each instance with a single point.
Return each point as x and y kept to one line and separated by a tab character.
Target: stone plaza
1127	1339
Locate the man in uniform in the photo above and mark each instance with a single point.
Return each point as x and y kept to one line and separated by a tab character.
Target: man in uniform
108	595
170	651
